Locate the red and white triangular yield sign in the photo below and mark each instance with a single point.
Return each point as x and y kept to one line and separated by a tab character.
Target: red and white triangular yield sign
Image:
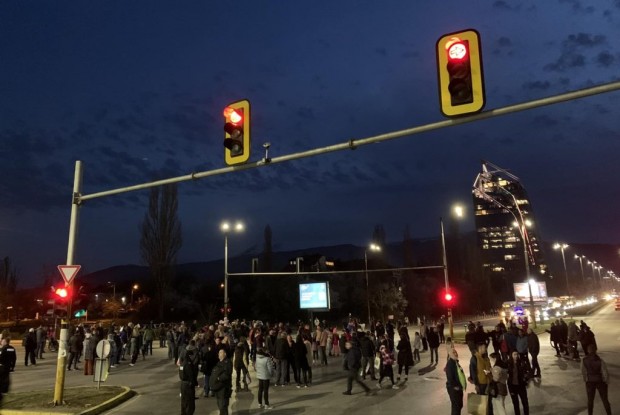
68	272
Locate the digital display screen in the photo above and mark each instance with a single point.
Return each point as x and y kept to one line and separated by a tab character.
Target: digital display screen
314	295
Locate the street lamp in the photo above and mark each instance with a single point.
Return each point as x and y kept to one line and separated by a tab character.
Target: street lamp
226	228
581	258
562	247
459	212
593	264
133	288
113	288
375	248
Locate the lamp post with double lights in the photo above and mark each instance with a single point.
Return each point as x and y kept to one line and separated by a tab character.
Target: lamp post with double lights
562	247
581	258
458	212
375	248
226	228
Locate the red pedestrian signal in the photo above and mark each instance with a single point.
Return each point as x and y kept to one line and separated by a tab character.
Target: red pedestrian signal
459	71
448	297
62	294
237	132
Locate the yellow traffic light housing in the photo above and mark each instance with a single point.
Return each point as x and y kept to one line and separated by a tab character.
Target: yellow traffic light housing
460	74
237	132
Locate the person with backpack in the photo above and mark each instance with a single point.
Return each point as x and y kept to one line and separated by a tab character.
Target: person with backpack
264	371
596	377
188	372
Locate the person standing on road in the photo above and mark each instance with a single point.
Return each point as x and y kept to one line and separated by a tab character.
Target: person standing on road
30	343
480	373
280	357
41	334
573	336
242	355
221	381
533	346
75	346
352	364
89	353
455	382
405	355
7	364
596	377
387	360
368	355
417	346
264	372
518	376
300	354
433	345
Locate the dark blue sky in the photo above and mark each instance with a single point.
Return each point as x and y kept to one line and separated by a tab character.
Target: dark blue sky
136	89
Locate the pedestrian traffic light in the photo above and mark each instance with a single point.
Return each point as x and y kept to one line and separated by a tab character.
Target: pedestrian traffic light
237	132
460	74
448	298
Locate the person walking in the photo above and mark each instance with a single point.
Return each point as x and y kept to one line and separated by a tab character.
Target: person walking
241	360
596	377
221	382
518	377
533	346
352	364
455	382
264	372
368	355
387	360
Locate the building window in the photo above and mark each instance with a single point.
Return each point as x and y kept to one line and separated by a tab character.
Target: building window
510	257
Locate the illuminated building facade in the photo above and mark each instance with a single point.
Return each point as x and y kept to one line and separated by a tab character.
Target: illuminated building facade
507	231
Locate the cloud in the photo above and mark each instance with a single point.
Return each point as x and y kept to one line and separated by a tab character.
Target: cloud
584	40
578	7
545	120
567	60
605	59
502	5
574	48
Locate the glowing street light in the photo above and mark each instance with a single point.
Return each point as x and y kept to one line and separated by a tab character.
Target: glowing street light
562	247
376	248
226	227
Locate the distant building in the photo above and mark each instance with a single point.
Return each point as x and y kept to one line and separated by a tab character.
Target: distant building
504	220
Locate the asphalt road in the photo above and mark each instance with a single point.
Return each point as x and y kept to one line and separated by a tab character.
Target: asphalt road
561	390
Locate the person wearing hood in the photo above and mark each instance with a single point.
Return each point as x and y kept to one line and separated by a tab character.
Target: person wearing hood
89	353
264	371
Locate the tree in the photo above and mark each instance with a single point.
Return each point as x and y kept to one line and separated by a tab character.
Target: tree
388	299
8	280
161	239
111	308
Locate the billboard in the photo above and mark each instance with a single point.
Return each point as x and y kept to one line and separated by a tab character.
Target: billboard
522	292
314	296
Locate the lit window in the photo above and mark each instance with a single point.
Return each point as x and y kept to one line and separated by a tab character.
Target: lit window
510	257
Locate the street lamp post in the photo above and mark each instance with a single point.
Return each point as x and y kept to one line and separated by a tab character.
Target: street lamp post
376	248
226	228
133	288
113	289
562	247
593	264
445	275
581	258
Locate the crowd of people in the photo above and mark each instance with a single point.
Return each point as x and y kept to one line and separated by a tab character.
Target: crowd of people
221	353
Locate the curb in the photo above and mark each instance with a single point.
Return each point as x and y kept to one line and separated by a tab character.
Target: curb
110	403
102	407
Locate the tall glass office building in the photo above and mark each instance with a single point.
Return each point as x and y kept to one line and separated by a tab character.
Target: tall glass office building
507	230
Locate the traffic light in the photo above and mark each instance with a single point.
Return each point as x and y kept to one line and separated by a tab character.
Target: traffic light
459	72
62	294
237	132
448	298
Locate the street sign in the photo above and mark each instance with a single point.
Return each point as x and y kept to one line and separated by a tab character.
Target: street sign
103	349
68	272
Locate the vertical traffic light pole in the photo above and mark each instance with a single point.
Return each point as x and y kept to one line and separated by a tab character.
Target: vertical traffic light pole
61	362
445	274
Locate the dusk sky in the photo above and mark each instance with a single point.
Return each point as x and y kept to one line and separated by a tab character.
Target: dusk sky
135	89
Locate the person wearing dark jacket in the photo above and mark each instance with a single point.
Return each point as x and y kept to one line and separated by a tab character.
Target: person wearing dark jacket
455	381
75	347
555	337
241	360
7	365
433	344
352	364
300	353
188	371
596	377
281	353
30	342
518	376
221	382
208	360
405	355
367	348
533	346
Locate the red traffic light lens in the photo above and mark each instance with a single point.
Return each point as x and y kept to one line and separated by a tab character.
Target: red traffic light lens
448	297
62	292
233	115
457	49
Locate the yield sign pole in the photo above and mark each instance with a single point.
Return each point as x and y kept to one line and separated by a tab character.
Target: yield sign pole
59	385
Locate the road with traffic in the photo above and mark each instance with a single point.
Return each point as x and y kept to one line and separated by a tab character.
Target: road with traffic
560	391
